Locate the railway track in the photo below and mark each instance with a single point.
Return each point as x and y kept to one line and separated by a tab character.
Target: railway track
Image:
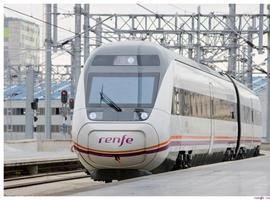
20	182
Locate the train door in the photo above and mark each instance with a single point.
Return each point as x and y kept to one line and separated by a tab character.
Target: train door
212	127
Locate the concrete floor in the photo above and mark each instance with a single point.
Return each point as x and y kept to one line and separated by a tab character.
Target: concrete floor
249	177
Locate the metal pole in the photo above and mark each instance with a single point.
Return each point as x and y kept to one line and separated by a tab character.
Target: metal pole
98	32
249	60
190	40
261	30
86	32
48	62
268	79
72	71
198	45
55	27
233	40
77	44
243	66
29	99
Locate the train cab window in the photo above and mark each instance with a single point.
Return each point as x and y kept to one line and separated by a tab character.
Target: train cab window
130	90
126	60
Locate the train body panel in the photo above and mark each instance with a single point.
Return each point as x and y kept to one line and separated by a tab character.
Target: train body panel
141	107
211	135
250	118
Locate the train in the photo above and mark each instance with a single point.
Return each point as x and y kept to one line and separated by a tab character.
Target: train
142	109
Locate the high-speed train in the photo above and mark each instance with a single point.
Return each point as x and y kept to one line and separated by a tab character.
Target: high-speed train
141	109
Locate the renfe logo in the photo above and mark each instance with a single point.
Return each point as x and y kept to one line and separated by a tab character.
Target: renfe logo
116	140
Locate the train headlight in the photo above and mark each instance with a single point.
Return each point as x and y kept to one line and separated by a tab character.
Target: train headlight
131	60
92	115
144	115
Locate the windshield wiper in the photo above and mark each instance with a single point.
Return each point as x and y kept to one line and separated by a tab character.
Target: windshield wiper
108	101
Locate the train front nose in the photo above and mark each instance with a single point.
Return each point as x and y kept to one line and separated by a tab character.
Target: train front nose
117	145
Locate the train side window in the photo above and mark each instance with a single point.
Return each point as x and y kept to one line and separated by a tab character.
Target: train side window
233	111
182	101
232	114
192	104
258	118
188	104
212	112
176	102
173	102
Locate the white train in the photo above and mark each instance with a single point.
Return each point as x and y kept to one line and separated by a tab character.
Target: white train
141	108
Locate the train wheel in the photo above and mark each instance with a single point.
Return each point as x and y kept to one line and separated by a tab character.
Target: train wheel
228	155
183	161
241	153
257	151
179	161
232	155
189	159
87	172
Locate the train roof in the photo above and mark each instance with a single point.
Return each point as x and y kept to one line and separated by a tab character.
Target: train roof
144	47
135	47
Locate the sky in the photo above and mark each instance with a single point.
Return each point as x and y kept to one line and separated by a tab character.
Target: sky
37	10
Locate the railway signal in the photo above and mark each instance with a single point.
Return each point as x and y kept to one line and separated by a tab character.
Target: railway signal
71	103
34	106
64	96
66	102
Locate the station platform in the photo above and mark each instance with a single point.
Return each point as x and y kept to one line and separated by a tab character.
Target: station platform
27	158
30	157
30	151
248	177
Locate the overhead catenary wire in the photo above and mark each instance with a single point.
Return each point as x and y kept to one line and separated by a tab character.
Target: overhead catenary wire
157	15
232	29
35	18
257	67
65	41
90	29
168	22
244	39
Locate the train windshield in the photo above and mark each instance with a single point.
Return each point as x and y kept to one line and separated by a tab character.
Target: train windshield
122	89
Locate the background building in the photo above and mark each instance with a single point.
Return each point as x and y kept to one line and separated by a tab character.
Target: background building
21	47
14	111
